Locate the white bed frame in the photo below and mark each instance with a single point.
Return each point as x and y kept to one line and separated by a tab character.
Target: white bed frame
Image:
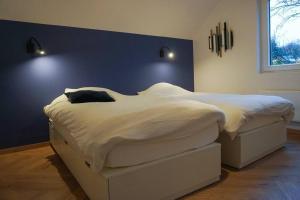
167	178
252	145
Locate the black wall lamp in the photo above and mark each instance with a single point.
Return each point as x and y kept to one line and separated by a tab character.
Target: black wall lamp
166	51
34	47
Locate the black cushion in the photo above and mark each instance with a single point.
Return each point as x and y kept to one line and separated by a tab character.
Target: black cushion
85	96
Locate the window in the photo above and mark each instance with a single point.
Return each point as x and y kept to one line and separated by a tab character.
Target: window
280	34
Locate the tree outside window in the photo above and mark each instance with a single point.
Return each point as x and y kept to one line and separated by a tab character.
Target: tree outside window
284	32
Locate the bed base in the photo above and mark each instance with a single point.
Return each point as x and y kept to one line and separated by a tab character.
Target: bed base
167	178
252	145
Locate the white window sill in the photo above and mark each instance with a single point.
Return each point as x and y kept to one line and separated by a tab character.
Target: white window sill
277	68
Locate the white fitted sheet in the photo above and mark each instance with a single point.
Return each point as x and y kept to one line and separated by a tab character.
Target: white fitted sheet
135	153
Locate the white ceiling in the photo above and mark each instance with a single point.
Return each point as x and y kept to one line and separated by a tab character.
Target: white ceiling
171	18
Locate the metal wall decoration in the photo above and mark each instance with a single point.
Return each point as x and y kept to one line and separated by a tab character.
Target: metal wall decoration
221	39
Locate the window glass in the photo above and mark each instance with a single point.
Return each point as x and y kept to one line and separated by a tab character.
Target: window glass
284	30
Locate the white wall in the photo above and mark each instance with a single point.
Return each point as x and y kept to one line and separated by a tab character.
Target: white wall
172	18
236	71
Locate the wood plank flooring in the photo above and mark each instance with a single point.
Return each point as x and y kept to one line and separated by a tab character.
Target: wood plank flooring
39	174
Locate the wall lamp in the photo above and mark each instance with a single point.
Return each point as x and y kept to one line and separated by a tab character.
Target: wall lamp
34	47
166	51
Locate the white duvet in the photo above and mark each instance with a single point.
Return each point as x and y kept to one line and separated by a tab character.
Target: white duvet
238	109
97	127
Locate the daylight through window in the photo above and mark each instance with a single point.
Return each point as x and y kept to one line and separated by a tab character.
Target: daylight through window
284	32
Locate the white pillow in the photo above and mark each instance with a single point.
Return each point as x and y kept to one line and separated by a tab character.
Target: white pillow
164	89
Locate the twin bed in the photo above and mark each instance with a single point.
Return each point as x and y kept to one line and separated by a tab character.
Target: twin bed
255	125
162	143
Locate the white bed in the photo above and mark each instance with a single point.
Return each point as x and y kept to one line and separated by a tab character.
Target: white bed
136	147
255	125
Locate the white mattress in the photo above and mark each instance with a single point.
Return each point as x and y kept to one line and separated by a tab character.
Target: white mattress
135	153
258	122
139	152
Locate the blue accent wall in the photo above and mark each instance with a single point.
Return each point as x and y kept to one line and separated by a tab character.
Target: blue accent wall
76	57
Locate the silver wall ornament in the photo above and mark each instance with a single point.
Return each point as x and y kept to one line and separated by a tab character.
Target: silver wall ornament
221	39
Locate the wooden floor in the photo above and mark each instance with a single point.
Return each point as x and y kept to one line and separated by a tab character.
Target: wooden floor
39	174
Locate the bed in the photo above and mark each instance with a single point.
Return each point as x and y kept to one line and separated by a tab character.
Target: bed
255	125
137	147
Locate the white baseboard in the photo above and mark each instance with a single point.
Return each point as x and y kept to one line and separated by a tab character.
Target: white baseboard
294	125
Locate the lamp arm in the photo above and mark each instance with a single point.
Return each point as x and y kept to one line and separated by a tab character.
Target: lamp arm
34	40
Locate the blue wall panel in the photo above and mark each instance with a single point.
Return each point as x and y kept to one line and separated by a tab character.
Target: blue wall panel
76	57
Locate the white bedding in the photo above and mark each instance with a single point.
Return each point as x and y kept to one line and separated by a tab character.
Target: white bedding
238	109
136	153
97	128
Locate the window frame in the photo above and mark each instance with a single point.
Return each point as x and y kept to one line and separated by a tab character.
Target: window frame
265	46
